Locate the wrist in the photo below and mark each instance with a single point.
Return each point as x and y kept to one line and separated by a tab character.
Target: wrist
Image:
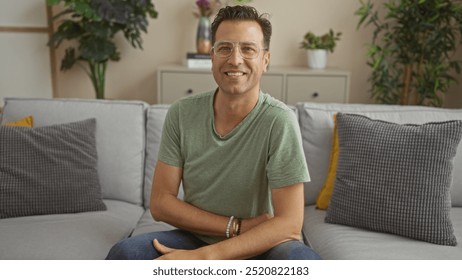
233	227
208	253
250	223
245	225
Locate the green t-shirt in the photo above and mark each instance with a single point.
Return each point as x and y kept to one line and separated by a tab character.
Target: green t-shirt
233	175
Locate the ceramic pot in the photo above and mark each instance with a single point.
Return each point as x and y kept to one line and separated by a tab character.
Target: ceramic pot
317	59
204	36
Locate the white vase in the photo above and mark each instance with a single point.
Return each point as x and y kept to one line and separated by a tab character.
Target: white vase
317	59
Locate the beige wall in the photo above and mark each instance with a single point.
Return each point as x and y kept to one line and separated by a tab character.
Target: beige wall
25	65
172	34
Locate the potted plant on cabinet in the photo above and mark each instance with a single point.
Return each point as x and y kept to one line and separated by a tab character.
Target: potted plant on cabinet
318	46
93	25
411	54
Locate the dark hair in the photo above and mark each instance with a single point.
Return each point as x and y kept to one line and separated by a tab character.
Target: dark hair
242	13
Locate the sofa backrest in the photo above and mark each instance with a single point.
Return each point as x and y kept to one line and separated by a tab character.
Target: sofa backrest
120	137
155	117
316	125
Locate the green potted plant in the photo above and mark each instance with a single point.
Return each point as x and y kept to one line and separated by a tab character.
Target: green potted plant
92	24
318	46
411	53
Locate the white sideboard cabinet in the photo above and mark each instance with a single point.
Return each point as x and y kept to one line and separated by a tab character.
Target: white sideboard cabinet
288	84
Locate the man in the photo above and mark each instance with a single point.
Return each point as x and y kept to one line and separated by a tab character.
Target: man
238	153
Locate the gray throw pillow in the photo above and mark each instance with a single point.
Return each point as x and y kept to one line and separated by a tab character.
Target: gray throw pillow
49	170
395	178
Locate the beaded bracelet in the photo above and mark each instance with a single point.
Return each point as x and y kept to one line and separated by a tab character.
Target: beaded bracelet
230	221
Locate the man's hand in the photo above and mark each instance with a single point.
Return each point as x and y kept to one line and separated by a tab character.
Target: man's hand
200	254
177	254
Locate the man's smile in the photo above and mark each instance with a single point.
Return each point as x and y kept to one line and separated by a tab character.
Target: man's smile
234	73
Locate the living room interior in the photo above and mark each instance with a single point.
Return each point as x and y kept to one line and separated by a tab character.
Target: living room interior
170	36
31	69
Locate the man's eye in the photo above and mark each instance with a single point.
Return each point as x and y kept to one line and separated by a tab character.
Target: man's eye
224	49
248	50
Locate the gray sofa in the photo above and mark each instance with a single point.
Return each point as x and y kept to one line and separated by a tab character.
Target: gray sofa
334	241
127	140
127	136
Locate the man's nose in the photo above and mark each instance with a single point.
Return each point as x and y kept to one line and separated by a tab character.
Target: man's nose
235	57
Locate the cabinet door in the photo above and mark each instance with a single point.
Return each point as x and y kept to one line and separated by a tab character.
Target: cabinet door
175	85
273	85
316	89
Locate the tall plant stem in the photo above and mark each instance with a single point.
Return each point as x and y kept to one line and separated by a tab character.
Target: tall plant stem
407	79
417	96
97	75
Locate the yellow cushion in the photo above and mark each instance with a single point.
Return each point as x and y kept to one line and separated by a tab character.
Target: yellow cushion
324	195
26	122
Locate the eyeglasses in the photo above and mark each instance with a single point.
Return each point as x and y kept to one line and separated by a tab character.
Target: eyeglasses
248	50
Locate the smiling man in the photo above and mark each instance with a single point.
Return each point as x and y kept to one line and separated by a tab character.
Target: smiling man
237	152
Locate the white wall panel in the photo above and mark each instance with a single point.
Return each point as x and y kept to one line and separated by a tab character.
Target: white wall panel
24	65
25	13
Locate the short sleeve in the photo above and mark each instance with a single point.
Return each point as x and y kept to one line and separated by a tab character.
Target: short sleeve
170	145
286	161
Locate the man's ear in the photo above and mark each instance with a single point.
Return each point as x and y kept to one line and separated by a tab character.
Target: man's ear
266	60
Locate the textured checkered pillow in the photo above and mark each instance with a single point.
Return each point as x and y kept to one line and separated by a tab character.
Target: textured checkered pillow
395	178
49	170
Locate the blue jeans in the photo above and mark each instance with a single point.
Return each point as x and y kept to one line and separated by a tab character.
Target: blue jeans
140	247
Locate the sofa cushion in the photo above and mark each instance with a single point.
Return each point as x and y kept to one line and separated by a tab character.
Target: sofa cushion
49	170
155	122
323	199
120	137
333	241
147	224
316	124
25	122
395	178
81	236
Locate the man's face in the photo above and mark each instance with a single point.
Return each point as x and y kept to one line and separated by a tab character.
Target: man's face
236	75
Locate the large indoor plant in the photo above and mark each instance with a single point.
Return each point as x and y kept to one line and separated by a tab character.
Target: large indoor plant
411	54
318	46
92	24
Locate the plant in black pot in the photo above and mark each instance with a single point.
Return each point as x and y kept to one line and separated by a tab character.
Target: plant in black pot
92	24
412	50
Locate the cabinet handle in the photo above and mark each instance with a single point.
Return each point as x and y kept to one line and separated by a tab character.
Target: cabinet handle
315	95
190	91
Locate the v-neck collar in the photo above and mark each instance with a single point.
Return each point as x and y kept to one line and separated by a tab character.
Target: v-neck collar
250	116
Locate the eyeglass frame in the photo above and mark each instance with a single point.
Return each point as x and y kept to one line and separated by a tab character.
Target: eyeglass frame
234	46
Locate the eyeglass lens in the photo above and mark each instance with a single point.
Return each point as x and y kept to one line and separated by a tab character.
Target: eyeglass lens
247	49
